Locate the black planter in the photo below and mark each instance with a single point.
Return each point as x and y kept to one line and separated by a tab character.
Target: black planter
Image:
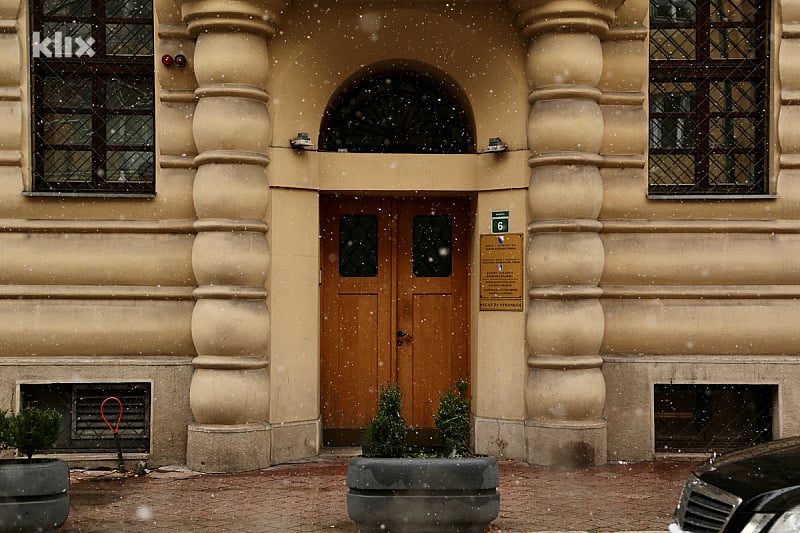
423	495
33	496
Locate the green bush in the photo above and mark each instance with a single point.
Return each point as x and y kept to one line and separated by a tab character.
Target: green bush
386	433
30	430
5	431
452	419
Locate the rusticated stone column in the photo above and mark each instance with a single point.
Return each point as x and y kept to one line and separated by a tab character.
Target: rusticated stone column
789	116
565	391
230	325
12	131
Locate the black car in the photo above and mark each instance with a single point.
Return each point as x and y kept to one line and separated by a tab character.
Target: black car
754	490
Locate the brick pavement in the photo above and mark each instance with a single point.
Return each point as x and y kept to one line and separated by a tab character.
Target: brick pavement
311	497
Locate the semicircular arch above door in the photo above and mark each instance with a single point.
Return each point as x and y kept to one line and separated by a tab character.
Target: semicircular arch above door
396	110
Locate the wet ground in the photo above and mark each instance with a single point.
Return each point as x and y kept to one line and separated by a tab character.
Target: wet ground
311	497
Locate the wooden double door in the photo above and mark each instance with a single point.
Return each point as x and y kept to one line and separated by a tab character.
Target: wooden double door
395	307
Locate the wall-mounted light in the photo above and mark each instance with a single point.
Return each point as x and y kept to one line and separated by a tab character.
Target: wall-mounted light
179	60
301	141
496	144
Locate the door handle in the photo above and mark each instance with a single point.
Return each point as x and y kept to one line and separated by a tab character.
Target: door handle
402	333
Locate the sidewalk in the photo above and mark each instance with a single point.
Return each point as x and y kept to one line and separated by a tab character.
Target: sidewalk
311	497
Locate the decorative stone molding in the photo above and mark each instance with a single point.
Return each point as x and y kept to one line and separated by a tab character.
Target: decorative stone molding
565	392
789	78
81	292
175	98
231	131
12	62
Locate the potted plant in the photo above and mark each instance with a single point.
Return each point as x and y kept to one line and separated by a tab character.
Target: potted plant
34	493
395	489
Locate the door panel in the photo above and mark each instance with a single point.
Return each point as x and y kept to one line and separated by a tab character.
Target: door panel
356	314
357	333
432	266
394	306
430	368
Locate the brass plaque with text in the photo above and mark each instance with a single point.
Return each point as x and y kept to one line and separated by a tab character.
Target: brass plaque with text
501	272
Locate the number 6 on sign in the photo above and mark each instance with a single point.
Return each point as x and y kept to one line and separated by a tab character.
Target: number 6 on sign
500	221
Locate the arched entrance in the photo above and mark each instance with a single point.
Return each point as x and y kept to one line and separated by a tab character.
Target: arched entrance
398	111
395	269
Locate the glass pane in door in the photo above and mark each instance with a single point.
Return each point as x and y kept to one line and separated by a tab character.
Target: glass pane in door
358	246
433	245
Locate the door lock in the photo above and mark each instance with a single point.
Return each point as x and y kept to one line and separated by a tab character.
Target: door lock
401	336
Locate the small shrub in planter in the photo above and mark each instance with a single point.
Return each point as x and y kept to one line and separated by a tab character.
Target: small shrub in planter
391	491
34	493
386	433
452	419
30	430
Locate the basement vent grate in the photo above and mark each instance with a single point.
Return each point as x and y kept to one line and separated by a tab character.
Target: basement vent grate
82	426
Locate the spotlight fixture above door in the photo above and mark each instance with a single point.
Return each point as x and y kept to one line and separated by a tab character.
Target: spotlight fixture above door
301	141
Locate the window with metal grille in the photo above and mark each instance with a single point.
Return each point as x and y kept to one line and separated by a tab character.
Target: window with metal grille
82	426
397	112
709	97
93	96
711	418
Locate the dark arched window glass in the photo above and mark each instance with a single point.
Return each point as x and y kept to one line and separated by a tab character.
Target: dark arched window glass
397	112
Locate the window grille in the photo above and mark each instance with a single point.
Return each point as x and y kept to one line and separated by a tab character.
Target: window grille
711	418
709	103
93	96
397	112
82	426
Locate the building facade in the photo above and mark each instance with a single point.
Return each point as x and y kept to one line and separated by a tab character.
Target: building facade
167	237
